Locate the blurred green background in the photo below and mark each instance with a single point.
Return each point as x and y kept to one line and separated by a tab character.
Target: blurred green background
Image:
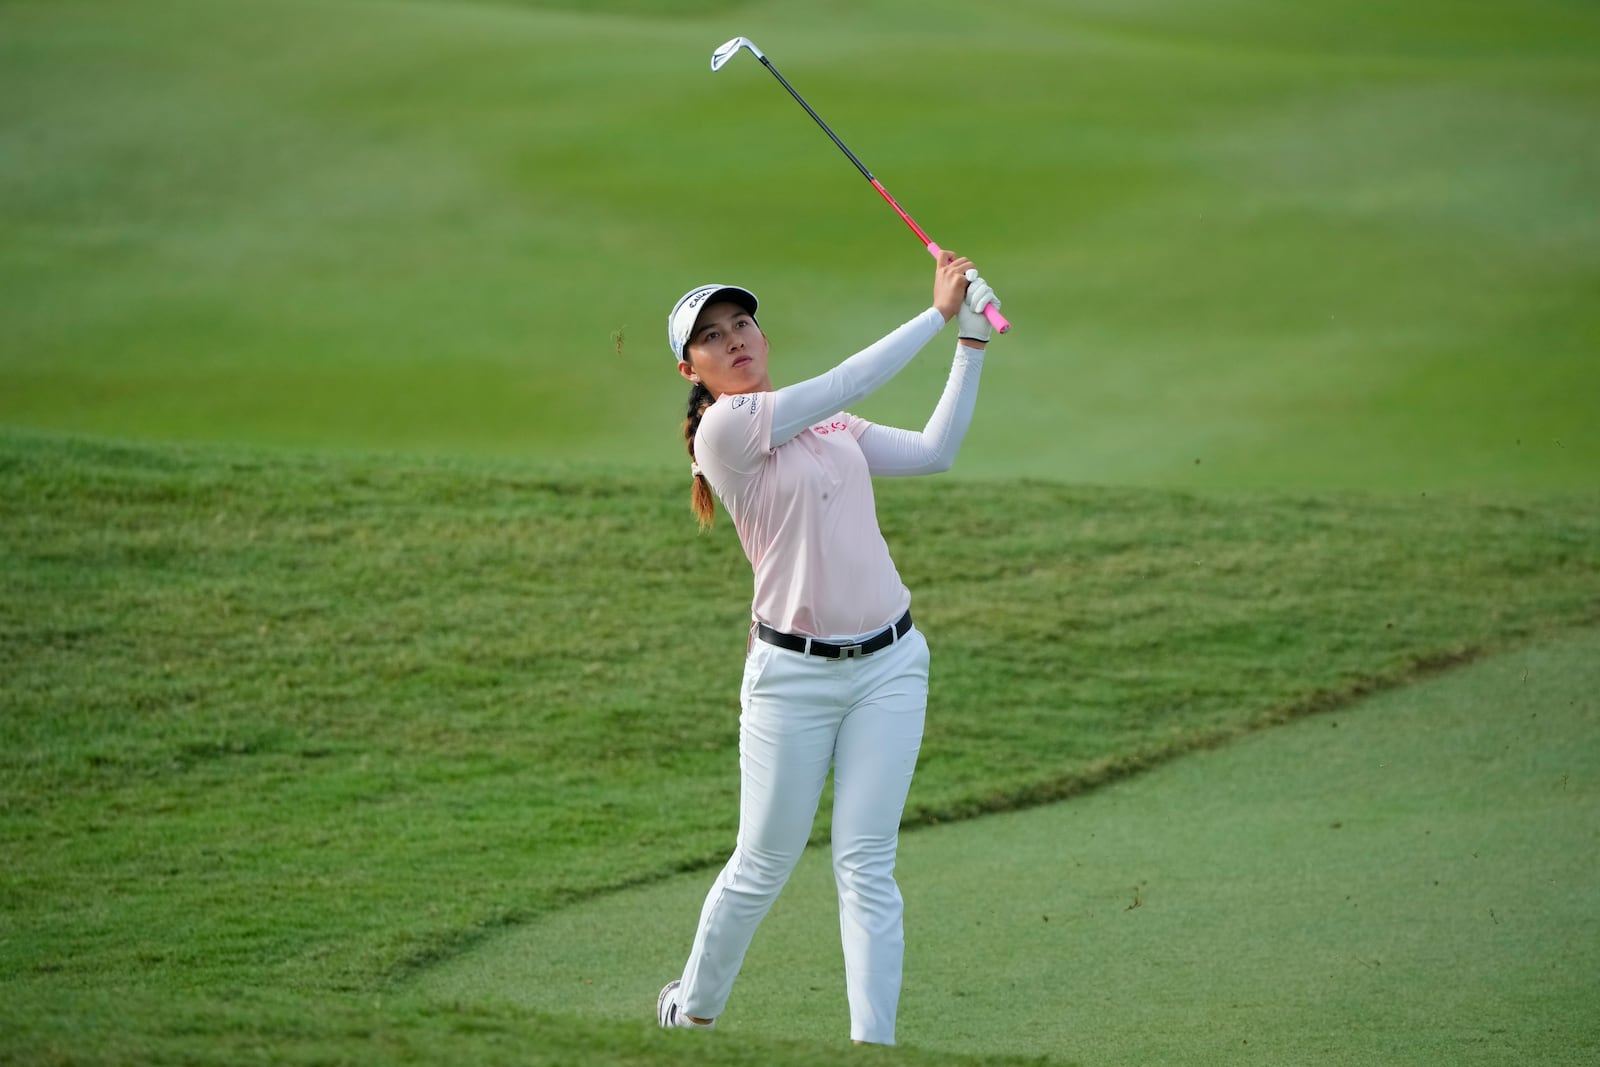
349	664
1325	245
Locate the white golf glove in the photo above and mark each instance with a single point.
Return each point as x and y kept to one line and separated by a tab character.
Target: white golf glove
972	324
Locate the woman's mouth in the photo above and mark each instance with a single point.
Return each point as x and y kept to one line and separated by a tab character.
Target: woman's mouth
741	361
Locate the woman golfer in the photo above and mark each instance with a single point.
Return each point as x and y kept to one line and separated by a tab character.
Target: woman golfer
835	672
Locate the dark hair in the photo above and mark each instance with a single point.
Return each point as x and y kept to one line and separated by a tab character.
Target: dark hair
700	498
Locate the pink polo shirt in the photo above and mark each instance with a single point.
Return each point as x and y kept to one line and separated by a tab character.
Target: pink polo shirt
806	517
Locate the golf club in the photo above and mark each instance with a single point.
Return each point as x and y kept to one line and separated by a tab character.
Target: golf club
720	57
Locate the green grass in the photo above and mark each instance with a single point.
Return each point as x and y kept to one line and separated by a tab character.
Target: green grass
281	732
353	619
1292	898
1331	245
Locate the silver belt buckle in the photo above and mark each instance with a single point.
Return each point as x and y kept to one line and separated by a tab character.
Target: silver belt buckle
850	652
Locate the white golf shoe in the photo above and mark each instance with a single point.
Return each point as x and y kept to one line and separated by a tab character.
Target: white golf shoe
668	1015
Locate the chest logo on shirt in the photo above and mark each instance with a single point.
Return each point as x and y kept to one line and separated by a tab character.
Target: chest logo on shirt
836	426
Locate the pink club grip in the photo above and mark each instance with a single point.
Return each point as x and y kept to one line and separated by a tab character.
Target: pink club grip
997	320
990	312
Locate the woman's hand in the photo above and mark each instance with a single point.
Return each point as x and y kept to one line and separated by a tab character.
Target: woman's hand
950	283
970	318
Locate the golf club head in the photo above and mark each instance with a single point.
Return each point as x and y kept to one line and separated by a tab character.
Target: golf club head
731	49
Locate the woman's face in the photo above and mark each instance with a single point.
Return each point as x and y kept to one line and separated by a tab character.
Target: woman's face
727	352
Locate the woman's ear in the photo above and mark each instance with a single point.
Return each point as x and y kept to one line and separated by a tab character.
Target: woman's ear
686	369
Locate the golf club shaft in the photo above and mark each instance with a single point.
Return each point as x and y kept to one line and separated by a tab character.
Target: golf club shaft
992	313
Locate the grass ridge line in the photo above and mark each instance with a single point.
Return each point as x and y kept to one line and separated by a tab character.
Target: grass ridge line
1099	775
1123	766
452	945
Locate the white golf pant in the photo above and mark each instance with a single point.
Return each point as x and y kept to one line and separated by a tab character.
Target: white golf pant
801	713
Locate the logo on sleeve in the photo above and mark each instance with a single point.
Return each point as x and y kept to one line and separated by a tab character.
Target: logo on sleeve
752	400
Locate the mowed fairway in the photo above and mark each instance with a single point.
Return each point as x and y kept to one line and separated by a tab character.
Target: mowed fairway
363	678
1409	880
1338	244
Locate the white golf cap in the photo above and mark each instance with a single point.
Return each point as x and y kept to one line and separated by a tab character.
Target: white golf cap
680	323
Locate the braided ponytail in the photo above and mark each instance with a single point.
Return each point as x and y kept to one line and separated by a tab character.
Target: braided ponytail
700	498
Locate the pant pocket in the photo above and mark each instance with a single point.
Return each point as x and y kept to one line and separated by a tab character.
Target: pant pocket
756	664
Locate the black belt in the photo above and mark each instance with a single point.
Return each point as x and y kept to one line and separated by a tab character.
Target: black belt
827	650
